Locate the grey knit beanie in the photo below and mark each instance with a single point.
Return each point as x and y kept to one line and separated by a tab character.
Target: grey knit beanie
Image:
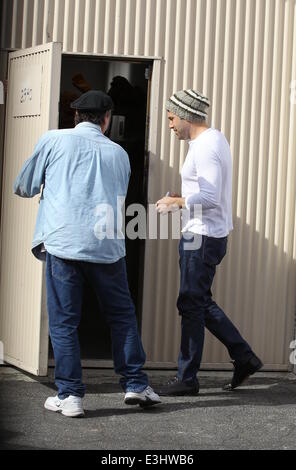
188	104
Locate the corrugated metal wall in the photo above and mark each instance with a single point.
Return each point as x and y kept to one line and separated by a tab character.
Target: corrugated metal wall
3	75
242	54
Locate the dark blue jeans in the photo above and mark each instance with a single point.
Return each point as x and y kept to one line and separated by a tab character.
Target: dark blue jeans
198	310
65	280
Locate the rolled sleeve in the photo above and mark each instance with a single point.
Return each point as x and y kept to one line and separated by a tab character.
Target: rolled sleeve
32	174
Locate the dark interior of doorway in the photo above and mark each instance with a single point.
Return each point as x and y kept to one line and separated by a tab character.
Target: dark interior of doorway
127	83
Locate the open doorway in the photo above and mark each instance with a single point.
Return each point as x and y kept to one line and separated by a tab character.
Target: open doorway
127	82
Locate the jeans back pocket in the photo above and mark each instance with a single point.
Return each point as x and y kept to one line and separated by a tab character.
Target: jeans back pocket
214	250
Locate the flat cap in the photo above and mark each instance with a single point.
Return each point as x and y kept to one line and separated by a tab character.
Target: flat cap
93	100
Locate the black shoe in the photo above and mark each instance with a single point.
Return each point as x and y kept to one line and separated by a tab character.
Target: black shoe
242	371
175	387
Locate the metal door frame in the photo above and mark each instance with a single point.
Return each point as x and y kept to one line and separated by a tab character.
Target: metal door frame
157	70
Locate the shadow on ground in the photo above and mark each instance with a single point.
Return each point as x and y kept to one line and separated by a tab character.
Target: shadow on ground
259	415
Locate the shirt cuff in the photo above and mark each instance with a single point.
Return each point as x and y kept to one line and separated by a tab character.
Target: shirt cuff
187	204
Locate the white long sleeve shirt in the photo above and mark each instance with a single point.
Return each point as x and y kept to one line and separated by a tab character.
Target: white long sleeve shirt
207	185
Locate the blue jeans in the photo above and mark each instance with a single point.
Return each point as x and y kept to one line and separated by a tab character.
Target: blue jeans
198	310
65	280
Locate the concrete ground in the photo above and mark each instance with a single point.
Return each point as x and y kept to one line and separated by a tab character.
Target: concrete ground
259	415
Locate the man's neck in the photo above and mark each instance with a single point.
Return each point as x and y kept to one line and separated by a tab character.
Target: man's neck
196	130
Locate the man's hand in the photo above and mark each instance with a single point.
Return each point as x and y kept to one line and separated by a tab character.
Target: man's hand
172	194
169	204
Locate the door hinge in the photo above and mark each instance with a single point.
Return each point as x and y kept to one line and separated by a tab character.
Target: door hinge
148	73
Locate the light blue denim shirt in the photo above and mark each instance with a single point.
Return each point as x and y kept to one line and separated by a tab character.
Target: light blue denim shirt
85	177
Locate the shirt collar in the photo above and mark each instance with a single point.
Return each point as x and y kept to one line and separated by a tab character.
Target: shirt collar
89	124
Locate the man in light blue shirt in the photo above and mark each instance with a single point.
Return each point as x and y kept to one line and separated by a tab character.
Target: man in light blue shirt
82	172
84	178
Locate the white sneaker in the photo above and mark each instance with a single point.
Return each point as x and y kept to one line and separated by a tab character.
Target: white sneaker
146	398
70	406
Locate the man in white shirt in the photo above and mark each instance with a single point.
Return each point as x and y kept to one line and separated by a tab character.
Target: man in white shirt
206	185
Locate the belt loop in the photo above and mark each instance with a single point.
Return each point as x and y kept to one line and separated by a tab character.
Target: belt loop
204	239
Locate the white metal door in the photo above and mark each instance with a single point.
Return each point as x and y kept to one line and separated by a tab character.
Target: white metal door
32	109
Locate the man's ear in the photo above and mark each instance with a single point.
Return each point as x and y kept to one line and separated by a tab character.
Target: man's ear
107	120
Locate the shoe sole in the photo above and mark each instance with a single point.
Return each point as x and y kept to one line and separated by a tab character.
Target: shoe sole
190	391
69	414
229	386
178	394
137	401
